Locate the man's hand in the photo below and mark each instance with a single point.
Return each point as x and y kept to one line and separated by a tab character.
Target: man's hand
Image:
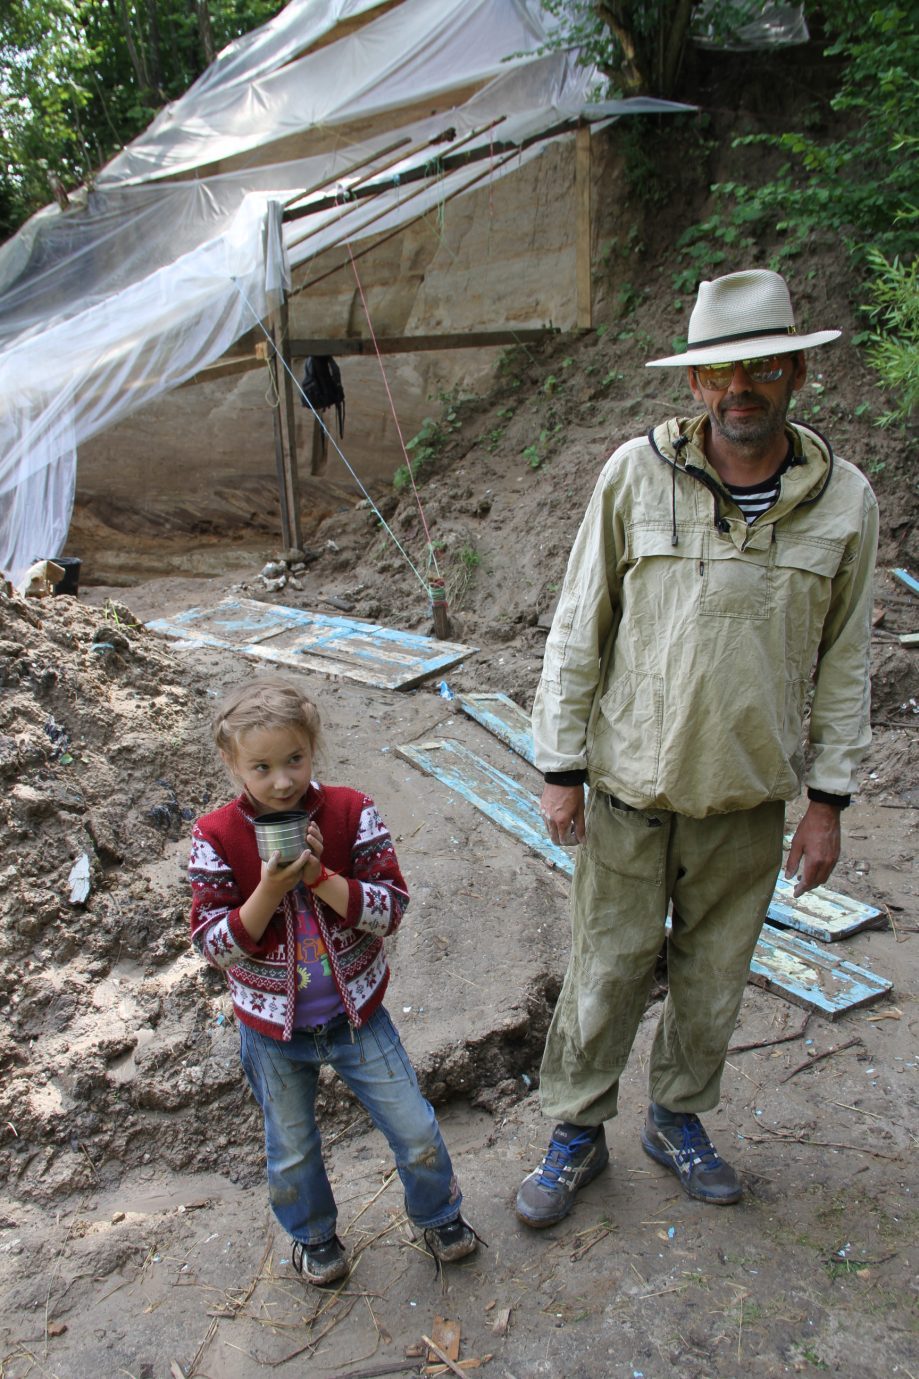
563	810
816	842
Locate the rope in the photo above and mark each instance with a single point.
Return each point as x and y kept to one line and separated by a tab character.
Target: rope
392	407
341	455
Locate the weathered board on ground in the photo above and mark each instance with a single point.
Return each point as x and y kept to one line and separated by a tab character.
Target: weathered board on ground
802	972
908	581
382	656
812	976
822	914
493	793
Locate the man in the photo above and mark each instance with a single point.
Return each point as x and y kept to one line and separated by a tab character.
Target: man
719	584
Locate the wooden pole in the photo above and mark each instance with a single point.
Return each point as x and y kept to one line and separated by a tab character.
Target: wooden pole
285	429
439	609
319	451
583	227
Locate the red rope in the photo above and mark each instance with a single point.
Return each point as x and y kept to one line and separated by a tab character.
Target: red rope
392	406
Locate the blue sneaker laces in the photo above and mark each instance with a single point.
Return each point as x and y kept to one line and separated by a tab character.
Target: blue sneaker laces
558	1158
697	1148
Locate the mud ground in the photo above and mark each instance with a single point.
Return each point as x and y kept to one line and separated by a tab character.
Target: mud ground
135	1237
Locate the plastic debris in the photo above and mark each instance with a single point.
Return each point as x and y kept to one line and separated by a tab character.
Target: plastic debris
444	690
79	880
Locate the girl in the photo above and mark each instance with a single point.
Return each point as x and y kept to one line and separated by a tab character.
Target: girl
301	944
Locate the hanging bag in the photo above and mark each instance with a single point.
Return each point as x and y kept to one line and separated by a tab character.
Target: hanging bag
322	387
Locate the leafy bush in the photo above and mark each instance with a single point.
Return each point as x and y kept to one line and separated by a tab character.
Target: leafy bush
859	187
893	347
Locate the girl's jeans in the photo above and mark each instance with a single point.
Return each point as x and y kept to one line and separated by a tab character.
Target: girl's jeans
373	1063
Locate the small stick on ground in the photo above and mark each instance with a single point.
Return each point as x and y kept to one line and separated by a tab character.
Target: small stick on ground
780	1039
391	1367
444	1357
821	1144
818	1057
370	1202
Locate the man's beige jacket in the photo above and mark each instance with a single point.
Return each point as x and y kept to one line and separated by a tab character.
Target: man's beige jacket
688	648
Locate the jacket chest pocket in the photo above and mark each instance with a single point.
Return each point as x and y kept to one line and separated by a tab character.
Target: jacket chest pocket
805	568
735	584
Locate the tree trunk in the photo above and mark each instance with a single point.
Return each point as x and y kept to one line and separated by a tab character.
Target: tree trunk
205	32
650	62
136	55
155	53
674	47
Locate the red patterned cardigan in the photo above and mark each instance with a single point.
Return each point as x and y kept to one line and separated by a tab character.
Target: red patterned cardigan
224	869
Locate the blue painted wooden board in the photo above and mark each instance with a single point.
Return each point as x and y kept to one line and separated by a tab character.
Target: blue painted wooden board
382	656
503	718
811	976
492	792
821	914
908	581
800	971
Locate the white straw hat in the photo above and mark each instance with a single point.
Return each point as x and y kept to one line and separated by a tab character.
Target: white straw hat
742	316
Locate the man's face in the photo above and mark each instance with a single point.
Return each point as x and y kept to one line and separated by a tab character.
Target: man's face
746	413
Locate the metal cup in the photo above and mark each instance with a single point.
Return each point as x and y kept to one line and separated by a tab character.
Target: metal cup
284	833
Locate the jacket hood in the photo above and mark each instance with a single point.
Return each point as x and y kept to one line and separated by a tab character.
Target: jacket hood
679	443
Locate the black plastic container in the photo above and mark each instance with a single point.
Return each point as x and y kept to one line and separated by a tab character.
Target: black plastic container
70	564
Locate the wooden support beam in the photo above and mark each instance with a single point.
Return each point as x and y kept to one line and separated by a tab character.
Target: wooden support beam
230	364
583	228
412	344
319	448
285	432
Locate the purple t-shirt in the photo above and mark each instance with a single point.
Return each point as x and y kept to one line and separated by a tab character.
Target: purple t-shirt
317	995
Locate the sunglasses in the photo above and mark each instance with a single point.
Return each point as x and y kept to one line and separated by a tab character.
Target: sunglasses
718	376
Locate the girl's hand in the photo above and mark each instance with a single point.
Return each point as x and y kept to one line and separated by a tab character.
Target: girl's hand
314	839
282	877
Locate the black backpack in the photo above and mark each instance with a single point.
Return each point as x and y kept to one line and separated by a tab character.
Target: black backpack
322	387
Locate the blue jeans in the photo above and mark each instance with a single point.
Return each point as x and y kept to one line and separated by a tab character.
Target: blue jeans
373	1064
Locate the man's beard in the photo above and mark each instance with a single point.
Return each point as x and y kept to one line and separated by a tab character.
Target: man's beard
758	429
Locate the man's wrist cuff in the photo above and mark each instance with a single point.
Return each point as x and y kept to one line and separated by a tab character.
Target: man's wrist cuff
821	797
565	777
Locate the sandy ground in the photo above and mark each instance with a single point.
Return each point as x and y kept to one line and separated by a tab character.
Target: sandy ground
135	1237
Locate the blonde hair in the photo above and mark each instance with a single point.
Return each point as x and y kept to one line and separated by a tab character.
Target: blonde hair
267	701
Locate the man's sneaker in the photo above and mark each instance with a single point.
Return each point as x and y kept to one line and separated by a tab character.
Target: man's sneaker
320	1264
453	1240
682	1145
575	1156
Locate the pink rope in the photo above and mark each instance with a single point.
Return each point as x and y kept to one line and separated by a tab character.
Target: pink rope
392	406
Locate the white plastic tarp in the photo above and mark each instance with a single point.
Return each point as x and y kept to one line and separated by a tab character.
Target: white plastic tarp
148	280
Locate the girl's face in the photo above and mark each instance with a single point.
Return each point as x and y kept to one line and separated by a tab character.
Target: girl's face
274	765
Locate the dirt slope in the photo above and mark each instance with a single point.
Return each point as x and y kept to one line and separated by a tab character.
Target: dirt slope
134	1236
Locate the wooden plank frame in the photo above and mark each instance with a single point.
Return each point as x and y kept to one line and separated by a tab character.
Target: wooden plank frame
384	657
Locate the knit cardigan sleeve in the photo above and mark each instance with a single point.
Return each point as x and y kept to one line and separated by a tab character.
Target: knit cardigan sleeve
377	893
217	931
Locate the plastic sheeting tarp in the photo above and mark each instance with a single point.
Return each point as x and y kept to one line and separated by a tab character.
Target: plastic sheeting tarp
766	25
181	247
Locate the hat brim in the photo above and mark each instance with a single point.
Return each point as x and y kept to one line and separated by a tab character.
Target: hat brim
759	348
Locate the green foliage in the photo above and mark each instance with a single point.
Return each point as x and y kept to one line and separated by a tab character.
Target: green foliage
80	78
536	453
893	347
639	44
425	448
859	187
